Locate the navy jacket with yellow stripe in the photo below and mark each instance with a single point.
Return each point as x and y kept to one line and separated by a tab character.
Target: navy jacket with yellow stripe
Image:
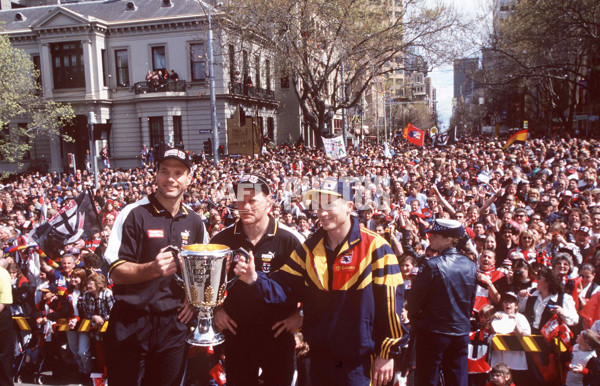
351	312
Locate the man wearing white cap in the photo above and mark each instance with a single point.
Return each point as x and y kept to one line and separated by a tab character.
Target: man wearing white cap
440	304
350	284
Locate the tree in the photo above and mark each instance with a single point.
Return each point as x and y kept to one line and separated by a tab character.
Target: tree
21	98
332	50
545	53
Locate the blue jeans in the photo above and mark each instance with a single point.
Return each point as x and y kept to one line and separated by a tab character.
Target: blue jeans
79	344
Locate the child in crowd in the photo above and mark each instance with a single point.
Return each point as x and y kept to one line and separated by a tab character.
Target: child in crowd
501	376
582	353
591	370
510	317
479	368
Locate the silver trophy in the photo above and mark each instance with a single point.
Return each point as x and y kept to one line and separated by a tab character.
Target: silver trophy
204	271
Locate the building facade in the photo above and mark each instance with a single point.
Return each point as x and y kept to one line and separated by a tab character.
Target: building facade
97	55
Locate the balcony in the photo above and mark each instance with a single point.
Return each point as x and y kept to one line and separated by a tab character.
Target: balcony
170	85
251	91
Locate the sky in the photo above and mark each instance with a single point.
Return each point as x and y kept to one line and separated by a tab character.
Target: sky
443	77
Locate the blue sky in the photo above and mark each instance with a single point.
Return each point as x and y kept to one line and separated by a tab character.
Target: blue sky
443	76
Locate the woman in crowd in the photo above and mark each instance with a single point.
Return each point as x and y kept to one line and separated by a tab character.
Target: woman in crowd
78	336
526	249
95	305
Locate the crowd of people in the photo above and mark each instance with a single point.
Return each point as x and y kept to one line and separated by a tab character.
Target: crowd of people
531	216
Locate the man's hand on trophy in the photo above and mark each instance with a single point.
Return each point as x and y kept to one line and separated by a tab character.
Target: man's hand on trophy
165	262
223	321
246	270
185	313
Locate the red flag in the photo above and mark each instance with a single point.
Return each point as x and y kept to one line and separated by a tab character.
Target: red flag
414	135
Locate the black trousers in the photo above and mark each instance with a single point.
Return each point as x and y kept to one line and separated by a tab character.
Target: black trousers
7	347
153	356
448	352
254	347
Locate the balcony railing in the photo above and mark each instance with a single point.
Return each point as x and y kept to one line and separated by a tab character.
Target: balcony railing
170	85
251	91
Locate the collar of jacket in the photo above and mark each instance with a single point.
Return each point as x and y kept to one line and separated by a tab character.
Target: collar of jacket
271	228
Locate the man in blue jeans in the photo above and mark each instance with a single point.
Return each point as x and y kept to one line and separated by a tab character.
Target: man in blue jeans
440	305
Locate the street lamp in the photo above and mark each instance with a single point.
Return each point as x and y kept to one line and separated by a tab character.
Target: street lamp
211	86
91	123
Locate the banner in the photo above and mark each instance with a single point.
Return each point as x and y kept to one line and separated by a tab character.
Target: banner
414	135
518	137
334	147
75	220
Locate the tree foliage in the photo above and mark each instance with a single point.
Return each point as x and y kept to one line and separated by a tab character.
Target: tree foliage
545	52
332	50
21	99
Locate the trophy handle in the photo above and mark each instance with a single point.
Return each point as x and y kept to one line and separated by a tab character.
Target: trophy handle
235	257
176	251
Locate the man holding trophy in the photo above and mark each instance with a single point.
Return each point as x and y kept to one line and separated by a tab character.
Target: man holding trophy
349	282
147	330
258	335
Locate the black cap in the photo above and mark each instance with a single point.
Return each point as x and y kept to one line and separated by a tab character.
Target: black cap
176	154
253	181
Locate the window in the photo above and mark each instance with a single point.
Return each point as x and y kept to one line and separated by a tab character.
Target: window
198	61
38	67
122	67
67	65
157	134
177	130
104	73
245	64
231	61
25	139
268	74
257	67
159	60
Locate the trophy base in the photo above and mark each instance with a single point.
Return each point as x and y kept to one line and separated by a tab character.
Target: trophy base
205	334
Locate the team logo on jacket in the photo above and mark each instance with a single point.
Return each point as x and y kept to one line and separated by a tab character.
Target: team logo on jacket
185	235
346	259
266	261
156	233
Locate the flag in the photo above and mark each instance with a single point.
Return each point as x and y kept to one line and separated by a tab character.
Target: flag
448	137
75	220
519	137
414	135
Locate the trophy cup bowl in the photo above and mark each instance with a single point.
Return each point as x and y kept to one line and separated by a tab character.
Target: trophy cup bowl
205	281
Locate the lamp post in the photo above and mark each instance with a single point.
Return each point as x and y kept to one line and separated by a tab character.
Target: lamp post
213	97
211	85
91	123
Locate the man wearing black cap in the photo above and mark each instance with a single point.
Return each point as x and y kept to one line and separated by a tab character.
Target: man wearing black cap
349	282
440	305
258	335
147	329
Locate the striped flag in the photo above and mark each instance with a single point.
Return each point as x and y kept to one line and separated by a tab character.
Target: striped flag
519	137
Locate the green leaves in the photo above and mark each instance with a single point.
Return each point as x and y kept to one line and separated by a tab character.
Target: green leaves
21	99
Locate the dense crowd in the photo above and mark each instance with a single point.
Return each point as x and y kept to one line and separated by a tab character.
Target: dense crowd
532	213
